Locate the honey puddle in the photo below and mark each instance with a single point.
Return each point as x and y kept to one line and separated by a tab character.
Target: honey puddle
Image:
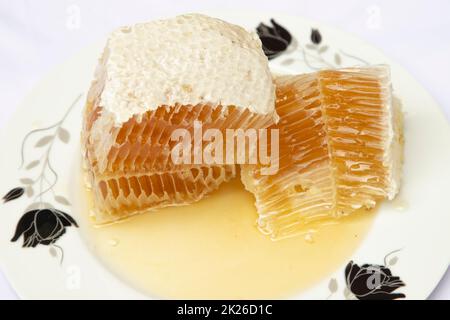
213	250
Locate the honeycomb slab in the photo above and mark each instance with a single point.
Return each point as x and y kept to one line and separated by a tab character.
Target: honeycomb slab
340	150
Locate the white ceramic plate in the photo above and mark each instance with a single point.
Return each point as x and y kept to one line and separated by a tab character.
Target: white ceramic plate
420	231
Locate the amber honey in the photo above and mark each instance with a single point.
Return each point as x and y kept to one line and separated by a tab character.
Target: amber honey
213	249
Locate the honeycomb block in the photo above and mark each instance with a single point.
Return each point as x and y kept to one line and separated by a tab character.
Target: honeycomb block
340	150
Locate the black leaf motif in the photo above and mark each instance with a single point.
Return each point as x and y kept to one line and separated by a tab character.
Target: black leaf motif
372	282
14	194
275	39
316	37
43	227
24	224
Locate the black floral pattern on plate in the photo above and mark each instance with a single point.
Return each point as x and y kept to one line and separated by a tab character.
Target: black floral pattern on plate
13	194
313	52
372	282
43	227
42	224
275	39
316	37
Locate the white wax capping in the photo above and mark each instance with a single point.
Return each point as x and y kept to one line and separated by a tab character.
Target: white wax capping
187	60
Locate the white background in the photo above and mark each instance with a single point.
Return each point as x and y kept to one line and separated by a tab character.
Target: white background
36	35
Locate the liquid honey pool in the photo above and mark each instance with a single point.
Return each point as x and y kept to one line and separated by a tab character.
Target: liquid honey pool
213	250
